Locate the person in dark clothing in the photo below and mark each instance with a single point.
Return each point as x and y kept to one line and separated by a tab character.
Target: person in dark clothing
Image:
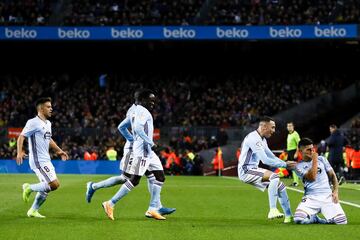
322	148
222	137
336	143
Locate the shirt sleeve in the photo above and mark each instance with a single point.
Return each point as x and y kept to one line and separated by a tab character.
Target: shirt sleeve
124	129
326	163
300	170
29	129
266	156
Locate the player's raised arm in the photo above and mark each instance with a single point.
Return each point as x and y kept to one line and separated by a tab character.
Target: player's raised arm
271	156
263	156
312	173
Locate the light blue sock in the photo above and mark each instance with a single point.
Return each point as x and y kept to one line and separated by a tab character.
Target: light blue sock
284	199
39	200
150	180
112	181
319	220
40	187
273	190
302	220
123	191
155	196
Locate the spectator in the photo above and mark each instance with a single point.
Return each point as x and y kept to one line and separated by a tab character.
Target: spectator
87	156
12	143
111	154
336	144
213	142
222	137
94	156
355	163
189	157
355	123
293	139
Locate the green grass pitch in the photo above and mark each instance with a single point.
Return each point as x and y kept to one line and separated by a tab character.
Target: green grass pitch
207	208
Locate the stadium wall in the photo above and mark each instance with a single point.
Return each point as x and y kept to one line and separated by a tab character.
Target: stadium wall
65	167
228	153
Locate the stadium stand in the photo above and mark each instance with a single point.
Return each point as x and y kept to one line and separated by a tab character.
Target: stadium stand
184	12
283	12
101	13
25	12
87	114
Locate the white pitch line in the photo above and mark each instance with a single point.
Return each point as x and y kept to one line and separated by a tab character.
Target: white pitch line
301	191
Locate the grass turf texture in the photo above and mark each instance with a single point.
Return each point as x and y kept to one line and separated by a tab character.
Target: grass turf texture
207	208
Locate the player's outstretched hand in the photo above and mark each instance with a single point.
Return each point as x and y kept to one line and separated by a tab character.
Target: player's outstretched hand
64	156
19	158
290	164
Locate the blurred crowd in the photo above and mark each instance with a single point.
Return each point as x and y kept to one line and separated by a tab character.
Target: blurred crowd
87	101
25	12
88	108
181	12
284	12
353	133
154	12
355	123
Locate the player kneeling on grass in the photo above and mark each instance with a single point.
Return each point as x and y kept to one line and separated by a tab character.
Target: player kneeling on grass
319	197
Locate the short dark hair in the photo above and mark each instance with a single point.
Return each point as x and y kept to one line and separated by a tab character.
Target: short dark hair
333	126
42	101
291	123
143	94
305	142
266	119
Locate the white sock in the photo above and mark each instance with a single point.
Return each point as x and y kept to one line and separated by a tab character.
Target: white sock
40	187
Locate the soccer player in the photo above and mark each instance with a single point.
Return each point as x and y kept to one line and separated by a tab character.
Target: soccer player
292	142
125	164
319	196
38	132
255	149
144	157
